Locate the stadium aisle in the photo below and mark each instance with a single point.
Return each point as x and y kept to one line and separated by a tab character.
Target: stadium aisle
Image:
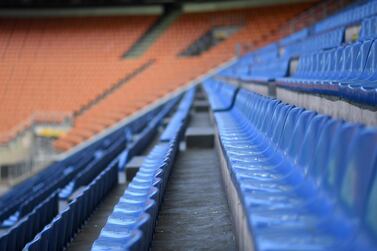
194	214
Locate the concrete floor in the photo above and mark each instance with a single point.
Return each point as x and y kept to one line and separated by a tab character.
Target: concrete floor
194	214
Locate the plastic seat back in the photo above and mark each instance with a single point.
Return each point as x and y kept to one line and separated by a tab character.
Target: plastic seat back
298	134
279	126
289	126
359	169
276	120
360	59
347	63
368	29
339	149
370	69
307	150
339	63
322	151
268	115
370	217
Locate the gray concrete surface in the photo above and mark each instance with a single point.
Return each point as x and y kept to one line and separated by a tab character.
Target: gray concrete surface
194	214
202	137
201	106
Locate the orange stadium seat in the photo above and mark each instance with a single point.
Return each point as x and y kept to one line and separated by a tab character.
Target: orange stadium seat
67	63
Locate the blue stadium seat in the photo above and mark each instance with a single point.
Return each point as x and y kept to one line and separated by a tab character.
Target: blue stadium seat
137	208
327	40
295	37
131	224
368	29
304	179
24	230
226	93
180	118
82	166
59	232
347	72
349	16
94	167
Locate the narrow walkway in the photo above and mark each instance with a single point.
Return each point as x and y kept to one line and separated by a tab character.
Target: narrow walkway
90	231
194	214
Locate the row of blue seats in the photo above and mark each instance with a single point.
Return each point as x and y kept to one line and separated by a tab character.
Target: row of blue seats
275	68
348	71
131	224
368	29
24	231
295	37
323	27
265	64
350	16
223	100
61	230
101	159
24	197
306	181
105	156
180	117
327	40
265	53
102	183
137	145
269	62
240	68
37	196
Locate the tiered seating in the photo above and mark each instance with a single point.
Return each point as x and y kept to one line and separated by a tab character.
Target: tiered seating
63	227
226	93
327	40
326	64
267	72
122	148
169	72
145	135
347	71
74	59
17	236
180	118
295	37
368	29
350	16
131	224
306	181
94	168
80	169
137	209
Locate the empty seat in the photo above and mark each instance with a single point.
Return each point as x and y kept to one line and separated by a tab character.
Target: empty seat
368	28
304	179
